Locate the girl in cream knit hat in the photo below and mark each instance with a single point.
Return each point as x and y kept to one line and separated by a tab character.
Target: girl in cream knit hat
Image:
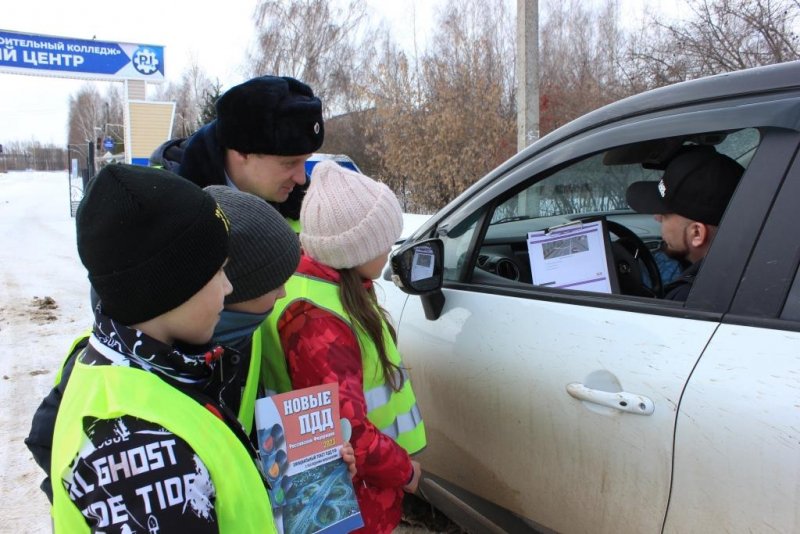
330	328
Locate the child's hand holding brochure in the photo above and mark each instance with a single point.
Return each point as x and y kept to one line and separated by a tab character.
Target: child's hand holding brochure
300	437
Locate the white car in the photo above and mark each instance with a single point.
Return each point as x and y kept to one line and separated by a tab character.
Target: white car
389	300
592	411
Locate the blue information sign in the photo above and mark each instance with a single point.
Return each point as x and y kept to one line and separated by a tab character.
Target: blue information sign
108	143
23	53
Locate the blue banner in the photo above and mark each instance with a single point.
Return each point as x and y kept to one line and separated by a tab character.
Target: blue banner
24	53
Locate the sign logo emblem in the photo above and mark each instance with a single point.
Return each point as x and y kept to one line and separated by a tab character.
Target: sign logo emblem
145	61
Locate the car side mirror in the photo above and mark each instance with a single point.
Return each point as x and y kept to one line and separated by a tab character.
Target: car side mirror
417	269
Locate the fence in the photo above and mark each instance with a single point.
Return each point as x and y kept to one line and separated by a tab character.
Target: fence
81	168
35	159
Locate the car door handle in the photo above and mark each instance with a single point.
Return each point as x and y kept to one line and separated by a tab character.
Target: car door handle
620	400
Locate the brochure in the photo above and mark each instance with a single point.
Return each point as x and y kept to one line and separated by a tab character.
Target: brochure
573	256
300	437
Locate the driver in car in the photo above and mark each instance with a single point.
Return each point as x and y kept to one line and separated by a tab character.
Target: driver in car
688	201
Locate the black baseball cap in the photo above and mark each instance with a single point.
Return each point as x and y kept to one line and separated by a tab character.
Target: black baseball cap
697	184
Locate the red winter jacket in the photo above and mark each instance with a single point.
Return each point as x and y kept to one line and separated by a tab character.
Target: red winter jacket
321	348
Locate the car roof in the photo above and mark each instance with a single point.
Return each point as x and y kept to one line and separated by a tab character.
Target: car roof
759	80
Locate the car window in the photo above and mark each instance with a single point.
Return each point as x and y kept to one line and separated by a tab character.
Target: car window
457	241
587	189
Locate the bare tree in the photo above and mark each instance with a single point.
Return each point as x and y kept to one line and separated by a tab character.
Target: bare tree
581	60
449	119
190	96
24	155
114	115
208	109
721	36
86	115
316	42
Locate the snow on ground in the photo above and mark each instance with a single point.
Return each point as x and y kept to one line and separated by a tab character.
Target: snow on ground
44	305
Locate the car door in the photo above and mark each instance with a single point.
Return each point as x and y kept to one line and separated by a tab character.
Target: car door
560	405
737	442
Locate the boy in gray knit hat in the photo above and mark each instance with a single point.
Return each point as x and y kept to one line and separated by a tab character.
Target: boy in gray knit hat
264	252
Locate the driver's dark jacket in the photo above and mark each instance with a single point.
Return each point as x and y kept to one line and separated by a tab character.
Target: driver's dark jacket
201	159
679	288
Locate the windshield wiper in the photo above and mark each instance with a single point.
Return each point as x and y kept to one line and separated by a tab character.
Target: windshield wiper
511	219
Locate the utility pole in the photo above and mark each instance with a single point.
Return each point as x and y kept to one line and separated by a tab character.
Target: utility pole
527	72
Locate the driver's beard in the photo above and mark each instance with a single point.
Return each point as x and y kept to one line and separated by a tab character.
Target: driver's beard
675	254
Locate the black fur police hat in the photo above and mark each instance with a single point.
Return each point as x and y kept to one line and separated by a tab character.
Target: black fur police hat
270	115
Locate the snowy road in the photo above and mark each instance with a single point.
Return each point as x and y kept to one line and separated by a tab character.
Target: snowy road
43	306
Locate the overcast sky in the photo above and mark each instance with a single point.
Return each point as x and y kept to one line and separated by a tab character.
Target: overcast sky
216	33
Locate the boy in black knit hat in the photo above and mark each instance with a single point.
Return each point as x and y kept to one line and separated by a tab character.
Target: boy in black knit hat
139	444
263	254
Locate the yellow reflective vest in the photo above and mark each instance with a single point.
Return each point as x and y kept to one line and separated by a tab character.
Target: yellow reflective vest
246	413
294	224
106	391
247	408
78	340
395	413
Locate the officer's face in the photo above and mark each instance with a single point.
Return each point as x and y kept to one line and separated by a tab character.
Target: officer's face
269	177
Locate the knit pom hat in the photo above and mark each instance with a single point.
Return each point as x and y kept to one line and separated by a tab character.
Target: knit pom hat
149	239
348	219
264	250
270	115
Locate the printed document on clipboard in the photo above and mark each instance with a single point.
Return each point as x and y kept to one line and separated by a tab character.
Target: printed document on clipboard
573	256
